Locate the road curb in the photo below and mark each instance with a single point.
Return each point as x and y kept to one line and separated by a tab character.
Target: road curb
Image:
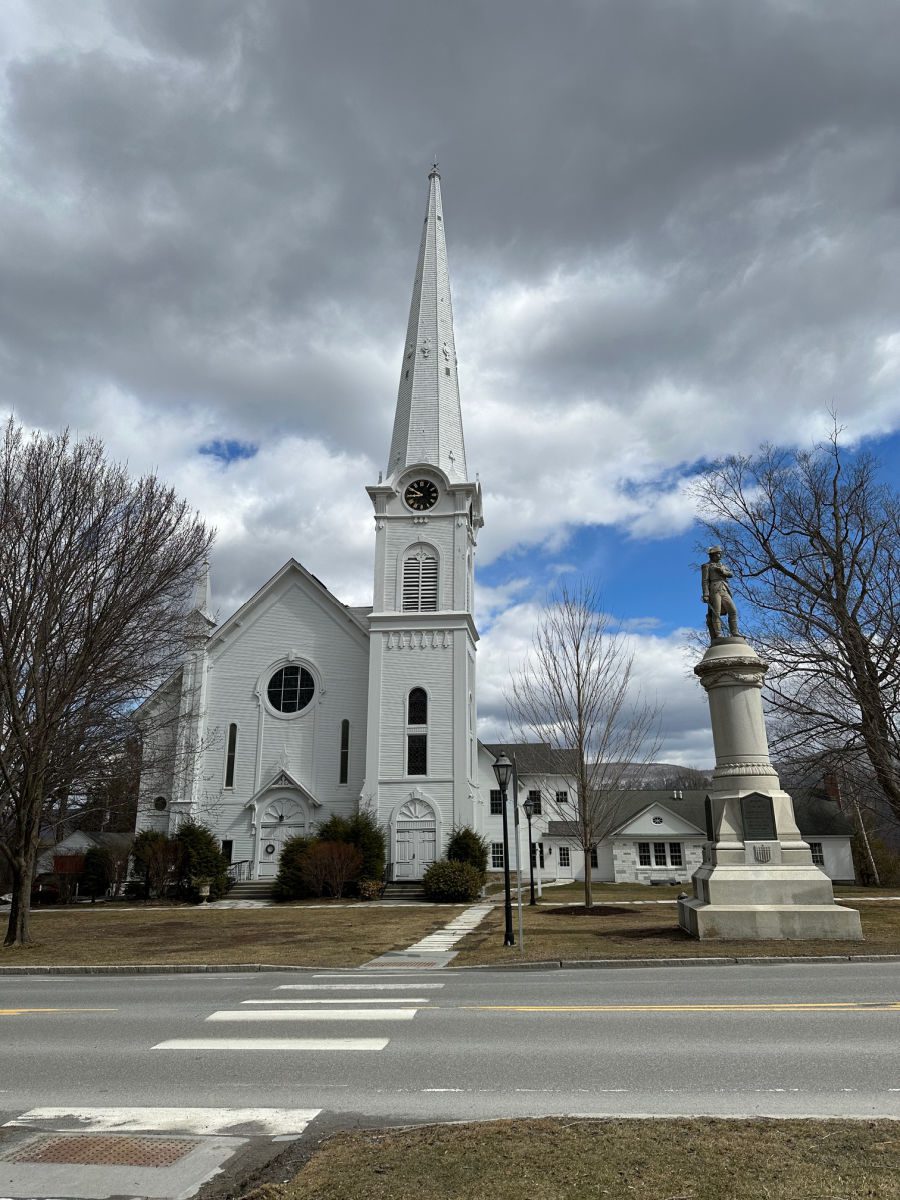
587	964
612	964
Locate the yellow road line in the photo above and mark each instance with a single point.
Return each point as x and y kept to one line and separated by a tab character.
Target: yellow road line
18	1012
837	1006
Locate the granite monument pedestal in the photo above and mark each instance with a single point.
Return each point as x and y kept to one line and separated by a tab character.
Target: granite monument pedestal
757	880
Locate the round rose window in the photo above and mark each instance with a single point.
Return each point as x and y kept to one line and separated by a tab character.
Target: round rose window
291	689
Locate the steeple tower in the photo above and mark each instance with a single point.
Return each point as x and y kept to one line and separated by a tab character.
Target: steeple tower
428	422
421	761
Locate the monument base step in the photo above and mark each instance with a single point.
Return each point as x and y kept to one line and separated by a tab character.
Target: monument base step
769	922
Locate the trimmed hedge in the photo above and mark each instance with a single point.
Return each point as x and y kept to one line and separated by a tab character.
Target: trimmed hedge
452	882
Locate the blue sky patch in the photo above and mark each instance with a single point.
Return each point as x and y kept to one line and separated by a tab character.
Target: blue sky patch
228	450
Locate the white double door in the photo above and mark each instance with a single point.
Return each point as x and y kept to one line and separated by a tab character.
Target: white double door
415	850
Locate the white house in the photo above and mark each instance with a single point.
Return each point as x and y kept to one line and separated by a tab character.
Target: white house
657	835
298	707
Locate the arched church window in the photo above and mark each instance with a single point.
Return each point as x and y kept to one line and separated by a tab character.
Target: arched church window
420	582
417	732
345	752
291	689
230	755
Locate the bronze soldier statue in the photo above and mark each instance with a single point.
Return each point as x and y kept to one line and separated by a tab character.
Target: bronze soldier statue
717	595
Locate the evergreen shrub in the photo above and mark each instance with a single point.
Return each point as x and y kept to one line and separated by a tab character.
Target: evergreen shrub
289	882
97	873
452	882
467	846
199	858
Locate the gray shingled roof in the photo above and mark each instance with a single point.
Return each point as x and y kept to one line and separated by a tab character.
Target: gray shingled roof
536	758
816	817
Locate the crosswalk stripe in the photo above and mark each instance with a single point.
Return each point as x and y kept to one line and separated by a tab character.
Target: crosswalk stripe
348	1000
199	1121
351	987
315	1014
273	1044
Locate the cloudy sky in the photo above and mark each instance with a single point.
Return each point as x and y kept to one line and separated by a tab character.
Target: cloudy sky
674	232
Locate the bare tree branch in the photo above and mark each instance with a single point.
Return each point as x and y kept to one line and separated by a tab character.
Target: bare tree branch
576	693
96	571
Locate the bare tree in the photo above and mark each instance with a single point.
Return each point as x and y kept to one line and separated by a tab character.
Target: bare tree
96	570
814	541
576	693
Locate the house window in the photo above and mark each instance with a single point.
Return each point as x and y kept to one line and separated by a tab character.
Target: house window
818	855
562	797
227	849
496	802
664	855
291	689
565	859
420	583
160	803
535	798
344	769
594	863
537	854
417	732
230	754
497	855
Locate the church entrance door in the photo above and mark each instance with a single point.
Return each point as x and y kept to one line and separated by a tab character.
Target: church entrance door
415	840
282	820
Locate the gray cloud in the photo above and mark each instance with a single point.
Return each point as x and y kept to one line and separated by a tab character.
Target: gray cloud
673	230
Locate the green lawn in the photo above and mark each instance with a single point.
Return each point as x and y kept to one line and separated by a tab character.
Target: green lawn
590	1159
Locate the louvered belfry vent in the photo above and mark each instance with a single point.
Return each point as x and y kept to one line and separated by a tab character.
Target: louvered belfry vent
420	583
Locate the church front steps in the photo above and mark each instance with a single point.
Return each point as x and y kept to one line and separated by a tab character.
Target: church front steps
404	890
252	889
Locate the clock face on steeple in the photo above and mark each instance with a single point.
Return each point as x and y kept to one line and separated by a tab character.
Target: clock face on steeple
421	495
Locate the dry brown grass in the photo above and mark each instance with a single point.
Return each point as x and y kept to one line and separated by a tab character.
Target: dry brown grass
291	936
584	1160
558	932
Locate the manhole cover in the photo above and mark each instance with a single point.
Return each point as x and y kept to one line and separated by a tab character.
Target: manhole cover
102	1150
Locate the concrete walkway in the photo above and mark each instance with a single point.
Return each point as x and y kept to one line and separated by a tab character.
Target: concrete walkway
435	950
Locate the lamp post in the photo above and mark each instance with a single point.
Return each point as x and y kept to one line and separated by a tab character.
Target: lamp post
503	769
529	813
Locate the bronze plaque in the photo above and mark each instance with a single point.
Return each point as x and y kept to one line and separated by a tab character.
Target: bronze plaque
758	818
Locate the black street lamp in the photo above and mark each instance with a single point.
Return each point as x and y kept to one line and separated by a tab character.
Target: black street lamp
529	813
503	770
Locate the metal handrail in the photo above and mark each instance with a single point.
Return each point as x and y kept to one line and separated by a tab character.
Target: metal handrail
239	871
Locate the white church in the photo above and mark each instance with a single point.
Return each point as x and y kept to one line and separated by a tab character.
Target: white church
299	707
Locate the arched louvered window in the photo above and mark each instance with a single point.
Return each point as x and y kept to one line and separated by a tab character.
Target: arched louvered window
417	709
420	582
230	755
417	732
345	752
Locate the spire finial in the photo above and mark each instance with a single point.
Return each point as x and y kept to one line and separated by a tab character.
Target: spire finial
434	172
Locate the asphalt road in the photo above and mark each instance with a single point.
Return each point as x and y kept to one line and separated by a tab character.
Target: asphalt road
794	1040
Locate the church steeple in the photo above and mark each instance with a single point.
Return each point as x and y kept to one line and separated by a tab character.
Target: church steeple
428	420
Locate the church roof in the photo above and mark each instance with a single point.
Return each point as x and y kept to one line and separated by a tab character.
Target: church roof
428	420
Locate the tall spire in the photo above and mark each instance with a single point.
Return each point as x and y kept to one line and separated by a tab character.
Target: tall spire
428	421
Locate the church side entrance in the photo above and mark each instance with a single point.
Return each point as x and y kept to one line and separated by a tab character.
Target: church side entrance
281	820
415	840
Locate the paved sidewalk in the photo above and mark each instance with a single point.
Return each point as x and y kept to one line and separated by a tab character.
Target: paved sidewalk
434	950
